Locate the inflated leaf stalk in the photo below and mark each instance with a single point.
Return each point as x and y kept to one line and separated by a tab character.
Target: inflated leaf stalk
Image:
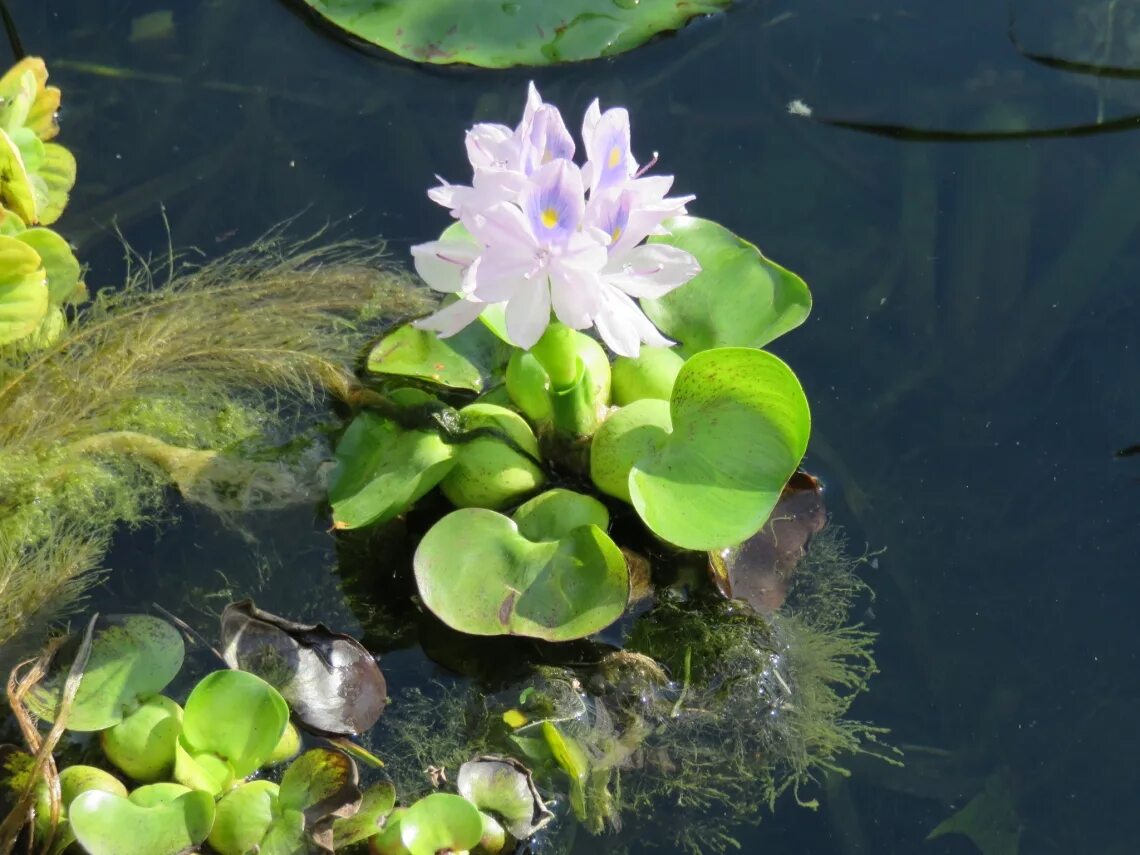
479	574
158	819
489	473
739	299
329	680
497	34
705	470
132	658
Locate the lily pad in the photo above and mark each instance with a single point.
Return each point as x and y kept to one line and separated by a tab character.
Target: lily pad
738	426
27	100
382	469
52	182
132	657
739	299
497	34
505	788
321	783
244	815
73	780
329	680
441	822
466	360
480	575
168	824
234	716
59	263
555	513
24	297
143	743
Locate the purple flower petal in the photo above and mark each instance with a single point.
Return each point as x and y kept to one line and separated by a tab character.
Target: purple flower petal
554	203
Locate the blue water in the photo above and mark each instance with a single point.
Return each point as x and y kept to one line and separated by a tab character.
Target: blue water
973	359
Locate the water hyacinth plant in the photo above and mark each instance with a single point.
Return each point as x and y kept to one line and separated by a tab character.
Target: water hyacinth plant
546	253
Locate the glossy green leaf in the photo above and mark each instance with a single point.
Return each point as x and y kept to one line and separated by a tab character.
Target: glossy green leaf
73	780
235	716
16	191
168	824
739	299
441	822
24	297
479	575
143	743
52	182
489	473
59	262
462	361
738	428
498	34
201	770
286	836
244	815
382	469
320	783
555	513
650	374
377	803
504	787
529	384
132	657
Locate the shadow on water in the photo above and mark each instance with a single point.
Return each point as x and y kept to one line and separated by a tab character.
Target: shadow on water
968	225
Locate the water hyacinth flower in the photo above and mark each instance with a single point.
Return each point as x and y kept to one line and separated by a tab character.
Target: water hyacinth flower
543	234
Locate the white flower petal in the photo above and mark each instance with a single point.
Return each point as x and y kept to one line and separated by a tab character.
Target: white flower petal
443	263
452	318
651	270
528	314
488	145
500	226
576	295
501	274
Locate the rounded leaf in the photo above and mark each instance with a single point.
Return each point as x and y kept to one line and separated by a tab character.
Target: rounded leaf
378	801
132	657
505	788
24	297
59	262
441	822
244	815
649	375
16	192
143	743
107	824
461	361
739	299
627	435
235	716
555	513
321	783
479	575
488	473
740	426
497	34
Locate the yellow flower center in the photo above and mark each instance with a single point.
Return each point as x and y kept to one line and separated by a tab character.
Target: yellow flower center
616	233
550	218
615	157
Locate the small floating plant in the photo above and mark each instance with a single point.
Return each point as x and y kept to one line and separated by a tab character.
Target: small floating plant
586	444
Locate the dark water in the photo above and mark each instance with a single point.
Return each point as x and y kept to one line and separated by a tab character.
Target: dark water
973	359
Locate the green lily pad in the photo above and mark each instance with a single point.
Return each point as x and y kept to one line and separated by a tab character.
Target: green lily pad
555	513
72	781
739	299
244	815
738	425
167	824
463	361
479	575
235	716
59	262
441	822
376	804
497	34
24	297
132	657
382	469
142	744
52	182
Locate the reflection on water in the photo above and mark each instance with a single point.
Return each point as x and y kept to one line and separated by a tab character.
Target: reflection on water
972	361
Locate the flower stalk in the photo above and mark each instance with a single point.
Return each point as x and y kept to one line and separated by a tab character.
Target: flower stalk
573	410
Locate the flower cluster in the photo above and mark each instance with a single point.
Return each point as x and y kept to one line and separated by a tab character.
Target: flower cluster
543	233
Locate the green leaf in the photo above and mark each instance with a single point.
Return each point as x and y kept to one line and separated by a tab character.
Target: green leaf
59	262
498	34
739	299
24	297
738	427
320	783
489	473
235	716
382	469
459	362
72	781
52	182
479	575
170	822
378	801
143	743
132	657
651	374
555	513
16	191
441	822
243	817
990	819
505	788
